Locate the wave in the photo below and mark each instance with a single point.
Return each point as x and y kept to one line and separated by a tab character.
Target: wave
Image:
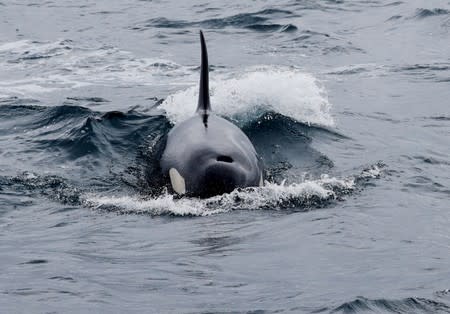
302	196
310	36
305	195
440	118
432	67
437	71
245	96
257	21
50	186
355	69
312	42
432	160
407	305
424	13
73	141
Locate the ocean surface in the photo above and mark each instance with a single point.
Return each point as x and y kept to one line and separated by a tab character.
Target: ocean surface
347	102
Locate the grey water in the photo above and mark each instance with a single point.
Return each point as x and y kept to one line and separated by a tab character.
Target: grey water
347	102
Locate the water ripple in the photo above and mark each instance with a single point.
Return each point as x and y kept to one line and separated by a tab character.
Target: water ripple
256	21
425	13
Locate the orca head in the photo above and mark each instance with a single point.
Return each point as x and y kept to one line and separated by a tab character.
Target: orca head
224	159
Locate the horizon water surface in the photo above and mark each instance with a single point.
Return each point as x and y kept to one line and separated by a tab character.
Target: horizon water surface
347	102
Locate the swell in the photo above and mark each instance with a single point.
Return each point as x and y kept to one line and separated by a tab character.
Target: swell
407	305
425	13
438	72
421	14
78	130
257	21
90	147
292	155
50	186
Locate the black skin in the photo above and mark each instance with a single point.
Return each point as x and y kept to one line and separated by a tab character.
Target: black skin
212	160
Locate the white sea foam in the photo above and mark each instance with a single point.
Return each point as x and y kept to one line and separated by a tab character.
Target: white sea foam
241	96
374	171
25	87
15	46
272	196
35	67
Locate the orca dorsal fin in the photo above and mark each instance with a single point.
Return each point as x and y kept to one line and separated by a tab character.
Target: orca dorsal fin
204	105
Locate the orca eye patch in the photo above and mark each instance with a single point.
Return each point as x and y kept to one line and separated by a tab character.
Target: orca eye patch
225	159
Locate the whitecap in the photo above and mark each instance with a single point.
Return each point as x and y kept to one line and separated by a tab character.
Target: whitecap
243	96
299	196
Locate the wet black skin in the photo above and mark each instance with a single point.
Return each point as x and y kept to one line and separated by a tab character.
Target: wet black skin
212	160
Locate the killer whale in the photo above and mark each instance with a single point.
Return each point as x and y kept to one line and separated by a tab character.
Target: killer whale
207	155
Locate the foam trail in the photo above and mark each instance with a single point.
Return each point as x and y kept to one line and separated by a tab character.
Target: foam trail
241	97
61	65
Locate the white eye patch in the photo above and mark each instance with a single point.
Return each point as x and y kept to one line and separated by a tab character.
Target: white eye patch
177	181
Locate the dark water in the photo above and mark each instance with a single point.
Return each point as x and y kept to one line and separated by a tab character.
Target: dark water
346	101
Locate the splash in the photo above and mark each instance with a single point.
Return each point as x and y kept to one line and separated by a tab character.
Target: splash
302	196
298	196
242	97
